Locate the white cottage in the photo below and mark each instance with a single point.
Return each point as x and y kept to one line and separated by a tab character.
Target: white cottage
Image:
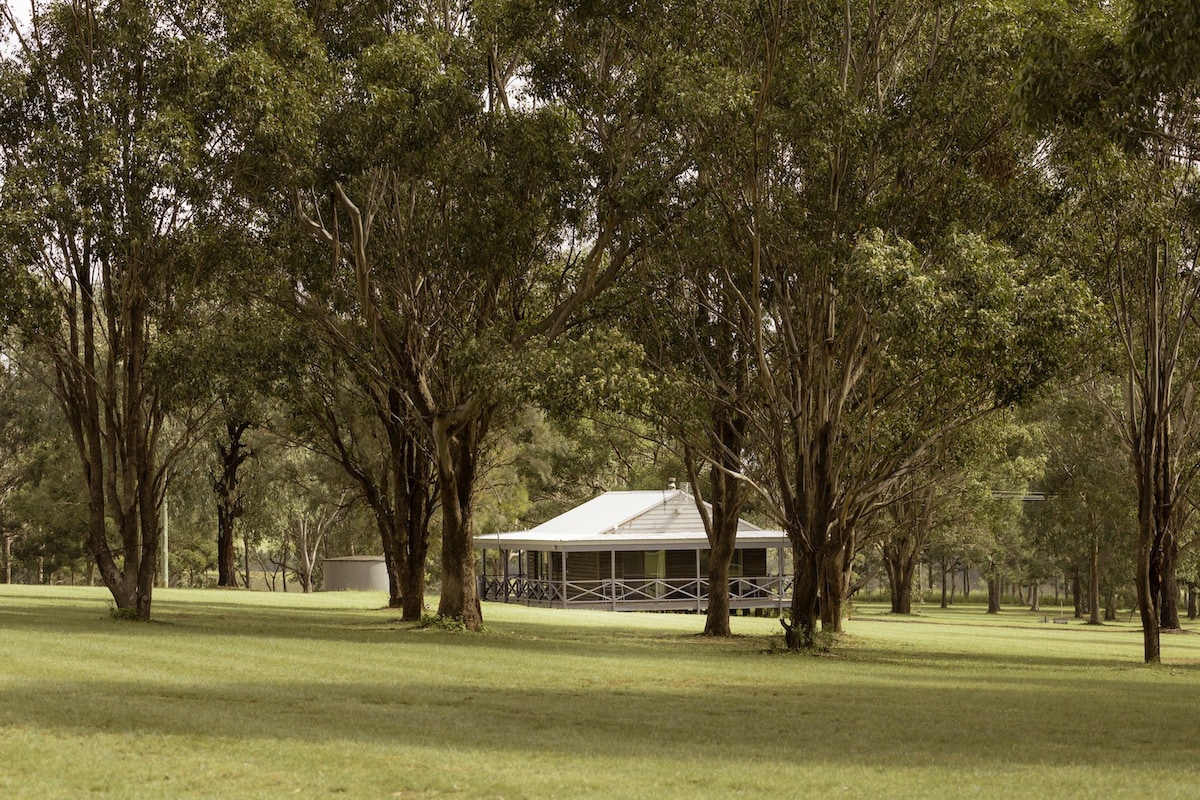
627	551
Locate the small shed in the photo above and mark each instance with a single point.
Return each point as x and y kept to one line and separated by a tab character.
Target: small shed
626	551
355	573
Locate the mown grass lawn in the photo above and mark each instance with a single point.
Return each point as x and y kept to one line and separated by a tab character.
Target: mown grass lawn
236	694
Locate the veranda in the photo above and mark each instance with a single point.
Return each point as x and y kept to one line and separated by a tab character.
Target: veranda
627	551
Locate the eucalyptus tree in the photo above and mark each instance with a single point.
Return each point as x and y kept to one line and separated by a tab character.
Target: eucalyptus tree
121	126
466	220
959	507
362	426
690	313
305	501
248	377
1113	87
944	503
1134	231
1084	523
100	168
885	309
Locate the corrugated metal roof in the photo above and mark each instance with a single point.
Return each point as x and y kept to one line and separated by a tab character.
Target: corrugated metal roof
631	520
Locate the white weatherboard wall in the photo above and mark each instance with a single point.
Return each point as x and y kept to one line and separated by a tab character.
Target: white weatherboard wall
355	573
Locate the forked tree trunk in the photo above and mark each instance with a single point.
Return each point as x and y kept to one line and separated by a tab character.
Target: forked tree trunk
913	517
401	494
232	453
900	568
808	530
115	440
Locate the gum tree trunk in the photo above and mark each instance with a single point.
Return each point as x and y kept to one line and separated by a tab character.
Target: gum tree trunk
835	581
1077	591
1168	602
900	569
945	570
727	437
1094	585
801	632
232	453
457	435
912	516
993	586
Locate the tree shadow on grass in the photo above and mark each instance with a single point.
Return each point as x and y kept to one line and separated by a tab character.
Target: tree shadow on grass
547	635
871	724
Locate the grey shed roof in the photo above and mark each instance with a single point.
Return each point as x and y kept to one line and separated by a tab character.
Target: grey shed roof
654	520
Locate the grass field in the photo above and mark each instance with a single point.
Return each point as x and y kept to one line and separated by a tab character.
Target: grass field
263	695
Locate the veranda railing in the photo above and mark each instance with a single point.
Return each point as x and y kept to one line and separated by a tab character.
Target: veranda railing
629	593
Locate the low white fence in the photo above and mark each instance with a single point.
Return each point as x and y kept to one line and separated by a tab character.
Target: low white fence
766	591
